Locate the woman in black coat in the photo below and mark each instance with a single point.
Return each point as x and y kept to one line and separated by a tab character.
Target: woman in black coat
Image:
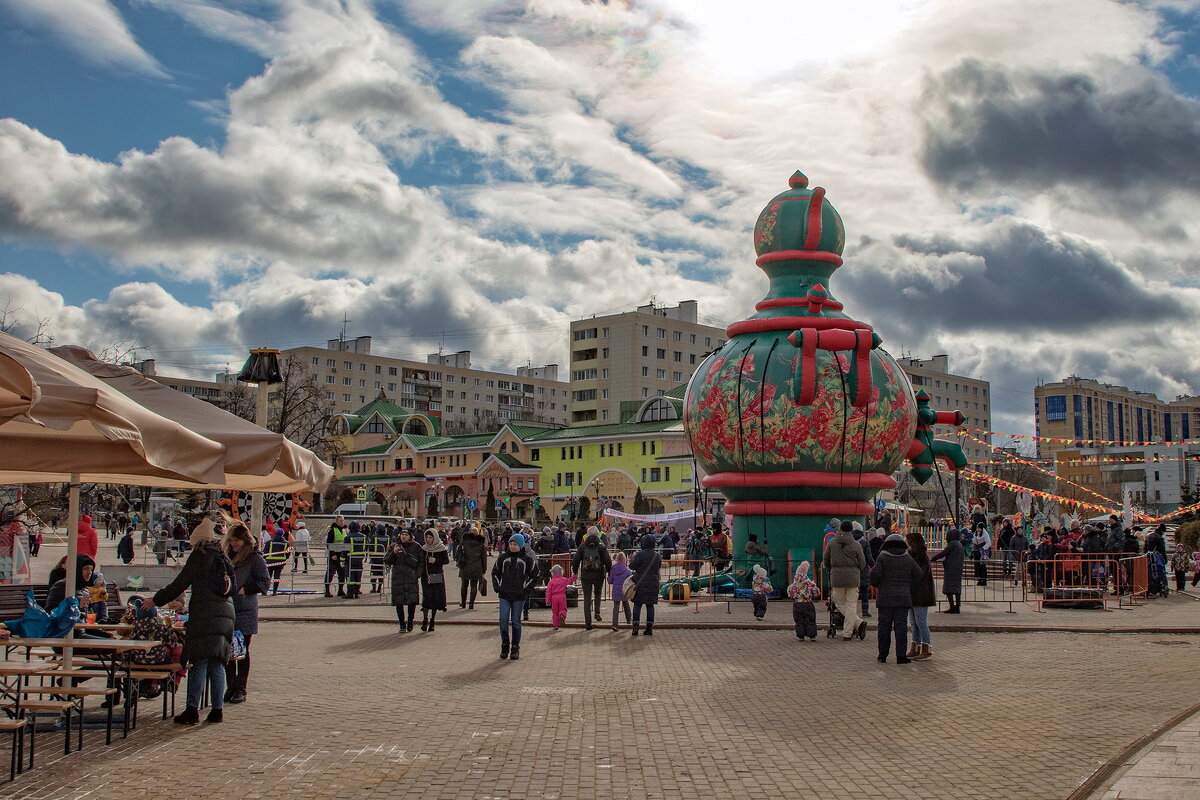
404	558
251	579
645	567
433	579
955	557
209	628
471	558
895	575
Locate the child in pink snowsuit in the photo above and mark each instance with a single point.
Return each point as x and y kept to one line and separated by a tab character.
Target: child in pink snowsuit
556	595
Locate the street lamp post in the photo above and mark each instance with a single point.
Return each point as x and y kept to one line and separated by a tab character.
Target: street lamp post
599	484
262	368
439	490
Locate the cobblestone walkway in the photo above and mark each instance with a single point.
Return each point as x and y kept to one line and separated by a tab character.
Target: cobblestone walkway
358	711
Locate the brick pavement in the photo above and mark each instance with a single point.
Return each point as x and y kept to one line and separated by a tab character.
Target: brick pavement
340	711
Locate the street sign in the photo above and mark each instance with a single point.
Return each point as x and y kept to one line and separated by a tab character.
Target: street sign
537	502
499	504
880	504
362	494
472	504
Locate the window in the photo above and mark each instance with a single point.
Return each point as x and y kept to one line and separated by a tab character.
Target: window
477	383
329	396
604	333
316	362
377	386
677	376
1056	408
643	474
502	385
477	397
345	398
707	341
535	455
346	381
645	352
329	362
362	382
604	413
586	394
645	372
691	338
449	409
462	379
604	394
329	379
645	392
584	375
604	374
362	399
661	374
604	353
661	333
491	384
391	387
348	364
660	353
378	369
586	333
678	336
645	330
620	447
491	398
666	473
391	371
655	474
677	356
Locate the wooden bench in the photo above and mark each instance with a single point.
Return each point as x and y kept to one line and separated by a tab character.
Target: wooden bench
17	727
12	597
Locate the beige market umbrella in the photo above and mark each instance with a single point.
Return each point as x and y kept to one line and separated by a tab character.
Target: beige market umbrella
60	424
256	459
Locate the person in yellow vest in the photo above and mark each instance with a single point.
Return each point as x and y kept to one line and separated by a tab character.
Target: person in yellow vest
337	545
358	557
276	555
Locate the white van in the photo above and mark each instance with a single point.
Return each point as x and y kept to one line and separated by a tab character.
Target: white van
359	510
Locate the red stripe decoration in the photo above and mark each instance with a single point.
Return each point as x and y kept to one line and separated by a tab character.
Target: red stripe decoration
798	255
862	355
832	480
795	323
809	508
792	302
812	236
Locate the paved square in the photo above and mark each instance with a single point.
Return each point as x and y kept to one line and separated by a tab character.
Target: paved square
357	710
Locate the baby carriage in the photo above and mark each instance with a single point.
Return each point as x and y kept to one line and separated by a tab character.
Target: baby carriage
1157	575
837	620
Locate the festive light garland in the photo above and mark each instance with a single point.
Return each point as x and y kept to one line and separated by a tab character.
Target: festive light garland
1039	468
1077	442
979	476
1179	512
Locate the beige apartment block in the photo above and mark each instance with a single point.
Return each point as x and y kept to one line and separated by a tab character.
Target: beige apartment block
633	356
950	392
1087	413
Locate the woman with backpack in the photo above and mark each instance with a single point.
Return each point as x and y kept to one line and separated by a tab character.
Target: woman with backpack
209	628
592	564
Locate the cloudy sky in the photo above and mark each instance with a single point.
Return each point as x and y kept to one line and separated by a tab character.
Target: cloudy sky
1018	178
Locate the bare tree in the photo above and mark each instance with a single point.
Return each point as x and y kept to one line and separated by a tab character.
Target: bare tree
13	323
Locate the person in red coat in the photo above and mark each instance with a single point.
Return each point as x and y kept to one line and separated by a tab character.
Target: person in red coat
89	542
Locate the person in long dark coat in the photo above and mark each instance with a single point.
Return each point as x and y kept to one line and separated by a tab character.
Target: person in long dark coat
471	558
433	579
209	628
404	558
251	579
955	557
895	575
645	567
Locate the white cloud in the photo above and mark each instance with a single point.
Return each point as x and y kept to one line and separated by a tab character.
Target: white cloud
93	29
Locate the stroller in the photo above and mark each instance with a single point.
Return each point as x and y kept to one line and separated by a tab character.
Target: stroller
837	620
1157	585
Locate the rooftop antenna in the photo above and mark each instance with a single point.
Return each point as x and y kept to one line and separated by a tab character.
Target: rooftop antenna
342	335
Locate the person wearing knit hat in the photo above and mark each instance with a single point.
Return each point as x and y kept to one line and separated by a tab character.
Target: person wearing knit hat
804	593
895	576
514	575
760	585
645	567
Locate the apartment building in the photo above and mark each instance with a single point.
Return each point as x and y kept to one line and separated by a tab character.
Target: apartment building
1079	411
633	356
1154	476
950	392
444	385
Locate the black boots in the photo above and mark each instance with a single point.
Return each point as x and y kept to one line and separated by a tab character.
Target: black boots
515	653
636	626
503	651
190	716
216	715
649	629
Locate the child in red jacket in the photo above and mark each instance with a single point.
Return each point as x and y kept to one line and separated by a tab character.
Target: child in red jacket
556	595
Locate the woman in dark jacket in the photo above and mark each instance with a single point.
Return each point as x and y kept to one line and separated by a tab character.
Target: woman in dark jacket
592	564
471	558
513	576
923	598
250	579
433	579
645	567
209	628
955	557
404	558
895	575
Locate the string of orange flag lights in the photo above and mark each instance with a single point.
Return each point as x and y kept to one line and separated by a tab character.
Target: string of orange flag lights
1113	506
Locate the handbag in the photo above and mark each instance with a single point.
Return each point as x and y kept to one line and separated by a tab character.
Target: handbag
630	587
435	578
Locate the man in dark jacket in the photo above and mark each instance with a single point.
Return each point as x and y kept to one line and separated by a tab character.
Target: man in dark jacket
895	575
591	563
844	561
513	576
864	579
562	542
1156	540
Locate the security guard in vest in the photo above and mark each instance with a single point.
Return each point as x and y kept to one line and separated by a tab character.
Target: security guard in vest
337	545
276	554
358	555
377	546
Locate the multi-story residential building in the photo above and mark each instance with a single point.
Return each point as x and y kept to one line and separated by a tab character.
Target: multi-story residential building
1077	412
445	386
224	391
1154	476
950	392
528	471
634	356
